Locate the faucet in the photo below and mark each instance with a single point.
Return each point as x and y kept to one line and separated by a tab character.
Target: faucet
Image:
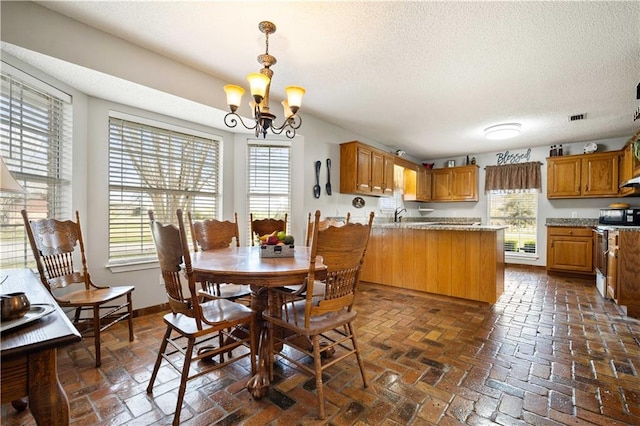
396	214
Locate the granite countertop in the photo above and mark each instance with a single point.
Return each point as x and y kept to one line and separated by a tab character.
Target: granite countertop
434	226
572	222
621	228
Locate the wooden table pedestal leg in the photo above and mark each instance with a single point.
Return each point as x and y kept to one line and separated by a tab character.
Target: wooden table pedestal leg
258	385
47	400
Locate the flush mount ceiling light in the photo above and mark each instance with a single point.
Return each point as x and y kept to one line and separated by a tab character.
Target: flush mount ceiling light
502	131
260	84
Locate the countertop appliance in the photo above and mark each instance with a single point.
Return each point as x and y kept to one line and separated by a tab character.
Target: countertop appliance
619	217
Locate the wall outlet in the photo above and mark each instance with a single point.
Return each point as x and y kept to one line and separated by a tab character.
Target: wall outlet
454	214
574	214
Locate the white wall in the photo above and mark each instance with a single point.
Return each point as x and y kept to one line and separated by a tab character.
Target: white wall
38	29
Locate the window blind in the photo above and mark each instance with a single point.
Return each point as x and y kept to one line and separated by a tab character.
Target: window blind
159	169
35	139
269	181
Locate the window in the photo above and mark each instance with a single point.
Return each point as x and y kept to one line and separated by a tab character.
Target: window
158	168
269	180
517	210
35	140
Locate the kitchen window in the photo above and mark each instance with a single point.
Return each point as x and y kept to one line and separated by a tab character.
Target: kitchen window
516	209
269	180
35	141
160	167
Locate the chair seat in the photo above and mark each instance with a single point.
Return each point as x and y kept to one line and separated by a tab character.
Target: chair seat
317	324
94	296
228	291
318	288
220	311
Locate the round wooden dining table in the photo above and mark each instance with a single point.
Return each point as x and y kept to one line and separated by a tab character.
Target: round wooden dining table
244	265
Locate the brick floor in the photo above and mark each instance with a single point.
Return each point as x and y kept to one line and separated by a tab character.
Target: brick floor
550	352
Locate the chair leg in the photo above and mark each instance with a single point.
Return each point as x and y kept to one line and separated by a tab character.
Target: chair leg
360	362
96	334
130	319
318	367
183	380
156	367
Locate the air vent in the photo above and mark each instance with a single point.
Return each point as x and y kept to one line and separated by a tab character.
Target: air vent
577	117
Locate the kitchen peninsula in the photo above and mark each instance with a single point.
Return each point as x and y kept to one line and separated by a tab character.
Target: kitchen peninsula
459	260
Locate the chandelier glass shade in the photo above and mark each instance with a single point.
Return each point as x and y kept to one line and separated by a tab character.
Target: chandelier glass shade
259	84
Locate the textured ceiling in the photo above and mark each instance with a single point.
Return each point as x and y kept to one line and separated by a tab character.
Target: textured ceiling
426	77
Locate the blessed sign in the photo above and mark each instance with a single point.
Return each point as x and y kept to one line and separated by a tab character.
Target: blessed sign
509	158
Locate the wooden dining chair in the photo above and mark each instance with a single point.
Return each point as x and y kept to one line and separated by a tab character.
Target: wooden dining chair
211	234
329	317
260	227
54	244
323	224
195	331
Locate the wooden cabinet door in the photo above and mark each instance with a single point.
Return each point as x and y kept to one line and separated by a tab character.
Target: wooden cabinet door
564	177
600	174
423	185
626	170
363	169
440	184
628	271
572	254
387	175
377	172
464	183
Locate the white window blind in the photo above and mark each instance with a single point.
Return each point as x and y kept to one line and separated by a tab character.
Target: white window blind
35	139
269	181
518	210
159	169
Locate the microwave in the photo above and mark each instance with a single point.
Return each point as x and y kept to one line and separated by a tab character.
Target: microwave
619	217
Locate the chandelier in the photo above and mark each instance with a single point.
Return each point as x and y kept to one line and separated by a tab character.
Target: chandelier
259	84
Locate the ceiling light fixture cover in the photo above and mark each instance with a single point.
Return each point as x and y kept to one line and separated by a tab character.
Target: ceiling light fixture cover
259	83
502	131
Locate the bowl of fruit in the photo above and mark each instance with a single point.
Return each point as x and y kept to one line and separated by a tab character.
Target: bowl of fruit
277	244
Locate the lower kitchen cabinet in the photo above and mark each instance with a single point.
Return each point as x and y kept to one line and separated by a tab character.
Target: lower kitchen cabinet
570	249
464	264
623	271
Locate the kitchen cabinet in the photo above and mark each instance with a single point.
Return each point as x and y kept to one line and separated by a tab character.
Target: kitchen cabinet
423	187
467	264
628	163
623	270
365	170
455	184
416	182
583	176
570	249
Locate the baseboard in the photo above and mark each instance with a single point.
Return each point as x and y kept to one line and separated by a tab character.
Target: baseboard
151	310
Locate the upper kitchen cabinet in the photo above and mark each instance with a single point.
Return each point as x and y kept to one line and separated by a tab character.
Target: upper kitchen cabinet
365	170
415	180
583	176
629	168
455	184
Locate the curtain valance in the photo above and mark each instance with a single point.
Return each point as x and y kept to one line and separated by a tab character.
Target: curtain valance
513	177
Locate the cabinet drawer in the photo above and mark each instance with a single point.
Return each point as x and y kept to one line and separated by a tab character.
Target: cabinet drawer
569	231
